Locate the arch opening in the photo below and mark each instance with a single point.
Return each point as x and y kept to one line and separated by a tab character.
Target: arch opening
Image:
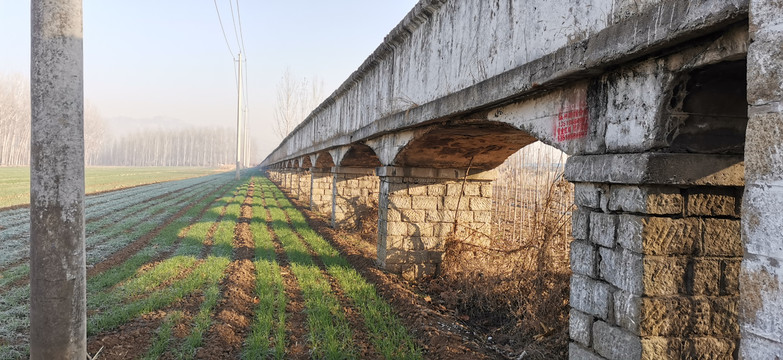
482	146
360	155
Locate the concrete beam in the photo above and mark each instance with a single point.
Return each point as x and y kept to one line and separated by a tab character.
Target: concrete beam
657	168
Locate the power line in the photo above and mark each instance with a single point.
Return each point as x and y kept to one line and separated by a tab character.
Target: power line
242	37
224	31
236	33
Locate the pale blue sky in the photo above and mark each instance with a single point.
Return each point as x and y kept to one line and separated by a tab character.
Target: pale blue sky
167	59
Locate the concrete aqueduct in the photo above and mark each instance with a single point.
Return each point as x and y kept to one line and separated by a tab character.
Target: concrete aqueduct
670	110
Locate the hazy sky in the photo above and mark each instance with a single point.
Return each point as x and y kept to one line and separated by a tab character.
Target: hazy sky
167	59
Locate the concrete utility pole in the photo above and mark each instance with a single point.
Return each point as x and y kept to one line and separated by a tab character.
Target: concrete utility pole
239	116
58	317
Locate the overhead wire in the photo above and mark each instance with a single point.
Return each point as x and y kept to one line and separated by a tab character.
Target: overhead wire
234	22
222	29
239	19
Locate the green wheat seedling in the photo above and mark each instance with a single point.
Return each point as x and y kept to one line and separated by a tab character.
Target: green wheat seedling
208	272
387	333
269	324
164	334
161	243
330	334
201	323
167	269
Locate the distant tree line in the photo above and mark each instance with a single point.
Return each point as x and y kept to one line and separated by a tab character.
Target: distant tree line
175	147
202	146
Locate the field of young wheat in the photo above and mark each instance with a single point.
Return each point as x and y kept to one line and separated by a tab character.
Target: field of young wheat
208	267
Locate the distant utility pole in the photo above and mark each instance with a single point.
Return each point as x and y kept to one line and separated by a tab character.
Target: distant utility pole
58	316
239	116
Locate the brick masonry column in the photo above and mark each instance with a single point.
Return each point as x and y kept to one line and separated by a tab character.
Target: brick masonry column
761	280
293	187
321	191
304	185
354	194
417	209
655	267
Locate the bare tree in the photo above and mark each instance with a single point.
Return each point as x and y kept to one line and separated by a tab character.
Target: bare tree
295	100
94	133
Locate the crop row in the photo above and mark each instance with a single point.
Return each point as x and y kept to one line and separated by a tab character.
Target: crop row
189	259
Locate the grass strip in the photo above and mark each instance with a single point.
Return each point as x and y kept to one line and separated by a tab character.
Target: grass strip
161	243
205	274
387	333
330	334
269	321
201	323
208	272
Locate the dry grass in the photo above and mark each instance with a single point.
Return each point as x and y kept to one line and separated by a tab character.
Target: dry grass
517	286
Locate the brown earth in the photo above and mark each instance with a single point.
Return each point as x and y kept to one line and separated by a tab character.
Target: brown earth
439	331
234	312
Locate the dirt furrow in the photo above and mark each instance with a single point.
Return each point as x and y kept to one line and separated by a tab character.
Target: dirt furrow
361	336
131	249
234	313
296	319
439	333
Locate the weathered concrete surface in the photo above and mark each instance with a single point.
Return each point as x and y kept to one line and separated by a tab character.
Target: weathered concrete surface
450	57
58	308
761	279
678	182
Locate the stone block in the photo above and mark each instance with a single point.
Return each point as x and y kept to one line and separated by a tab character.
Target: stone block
436	190
713	201
627	310
729	280
659	235
472	189
721	238
764	72
480	203
482	216
486	190
433	215
665	275
465	216
614	343
603	229
396	228
577	352
664	316
580	327
761	286
588	195
420	190
398	242
420	229
442	229
706	276
454	189
583	258
761	224
399	202
591	296
580	223
622	268
417	216
756	347
724	317
658	200
452	202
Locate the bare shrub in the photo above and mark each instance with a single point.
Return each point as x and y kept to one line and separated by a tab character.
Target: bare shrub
518	285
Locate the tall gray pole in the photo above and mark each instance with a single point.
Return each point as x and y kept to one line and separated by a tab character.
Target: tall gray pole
58	325
239	116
